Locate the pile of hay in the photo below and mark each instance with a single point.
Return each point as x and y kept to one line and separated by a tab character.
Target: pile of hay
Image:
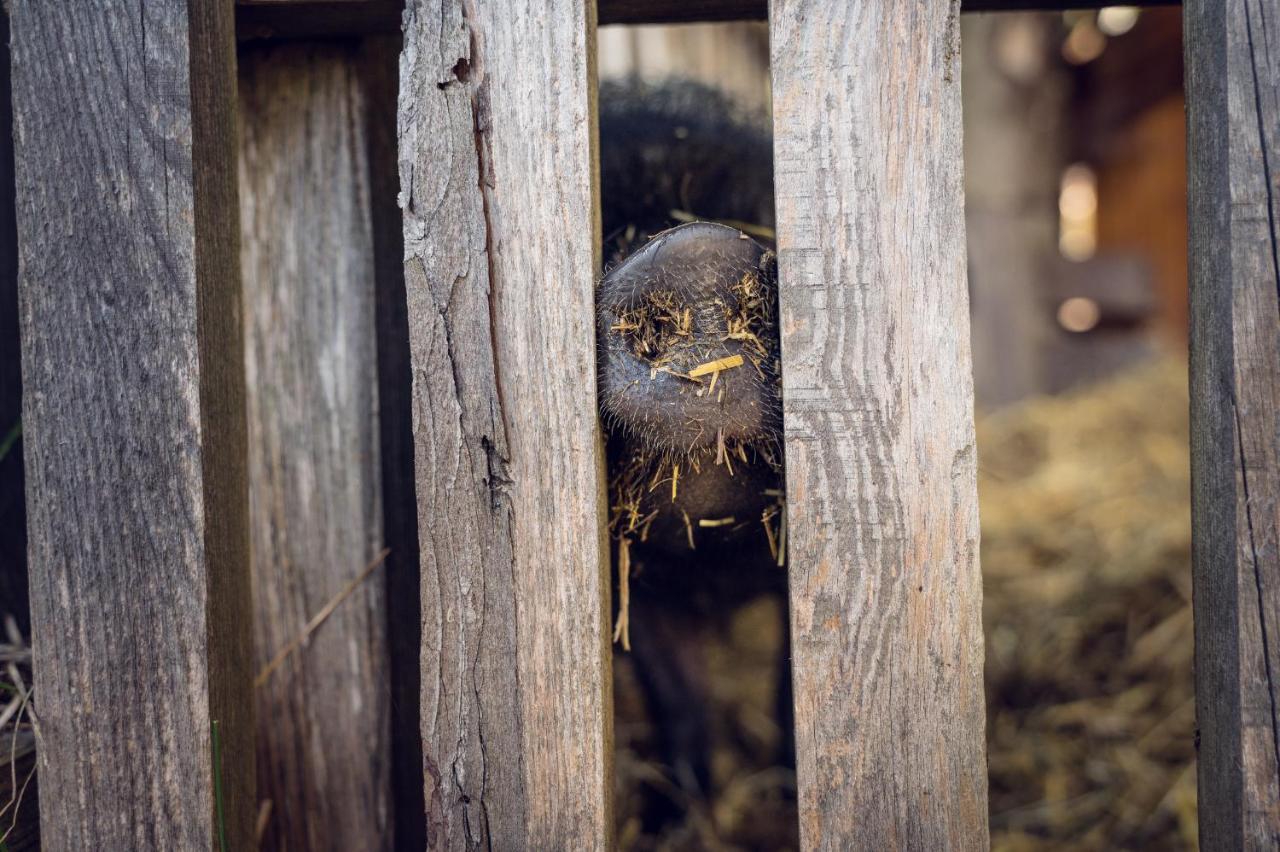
1086	562
1086	565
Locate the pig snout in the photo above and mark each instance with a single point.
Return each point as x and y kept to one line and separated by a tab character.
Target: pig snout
689	354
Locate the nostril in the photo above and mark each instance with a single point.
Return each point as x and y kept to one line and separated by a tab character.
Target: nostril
656	328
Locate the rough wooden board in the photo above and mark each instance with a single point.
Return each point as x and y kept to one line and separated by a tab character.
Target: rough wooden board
134	421
497	173
878	395
380	77
1233	94
323	735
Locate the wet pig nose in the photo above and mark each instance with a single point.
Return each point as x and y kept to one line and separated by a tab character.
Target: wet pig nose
687	327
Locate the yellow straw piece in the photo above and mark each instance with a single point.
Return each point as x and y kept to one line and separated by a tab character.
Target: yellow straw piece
716	366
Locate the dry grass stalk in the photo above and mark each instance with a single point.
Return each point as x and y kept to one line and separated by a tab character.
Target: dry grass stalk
714	367
318	619
622	626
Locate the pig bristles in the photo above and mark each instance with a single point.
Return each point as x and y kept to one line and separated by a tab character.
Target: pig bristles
622	627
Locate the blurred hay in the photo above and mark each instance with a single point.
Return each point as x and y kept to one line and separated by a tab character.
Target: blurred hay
753	801
1086	565
1086	561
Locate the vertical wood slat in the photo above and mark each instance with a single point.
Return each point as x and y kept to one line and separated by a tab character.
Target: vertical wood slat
881	478
1233	111
497	171
132	363
323	748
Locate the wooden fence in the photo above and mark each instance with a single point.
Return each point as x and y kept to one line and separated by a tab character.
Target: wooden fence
458	331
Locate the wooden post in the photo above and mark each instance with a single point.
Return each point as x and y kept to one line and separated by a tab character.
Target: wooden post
323	745
133	370
501	233
878	406
1233	111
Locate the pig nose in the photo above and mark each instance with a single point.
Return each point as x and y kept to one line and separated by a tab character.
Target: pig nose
687	327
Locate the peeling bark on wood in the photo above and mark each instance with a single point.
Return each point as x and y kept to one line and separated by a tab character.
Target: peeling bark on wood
132	361
501	232
878	408
1233	98
323	739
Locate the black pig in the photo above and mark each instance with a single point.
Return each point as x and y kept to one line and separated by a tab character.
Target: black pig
690	395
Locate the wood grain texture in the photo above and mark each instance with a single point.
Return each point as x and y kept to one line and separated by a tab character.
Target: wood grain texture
323	735
1233	97
132	361
497	174
878	398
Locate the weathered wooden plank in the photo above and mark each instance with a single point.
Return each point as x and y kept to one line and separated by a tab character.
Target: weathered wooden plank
323	734
275	19
497	171
124	130
1233	99
878	395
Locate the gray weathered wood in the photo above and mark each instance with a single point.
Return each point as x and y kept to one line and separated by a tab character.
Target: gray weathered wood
1233	98
497	173
323	748
878	395
125	128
